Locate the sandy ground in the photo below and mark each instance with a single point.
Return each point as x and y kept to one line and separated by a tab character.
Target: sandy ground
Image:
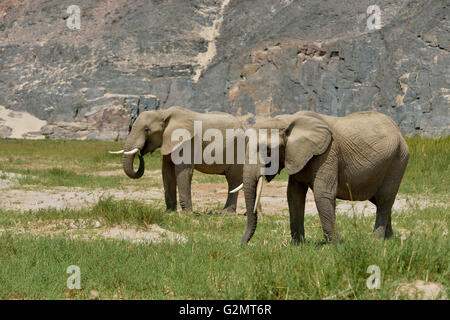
205	196
15	198
86	229
21	123
417	289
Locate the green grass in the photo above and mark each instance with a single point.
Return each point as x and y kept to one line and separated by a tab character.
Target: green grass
84	156
107	210
75	164
428	168
60	177
53	163
212	265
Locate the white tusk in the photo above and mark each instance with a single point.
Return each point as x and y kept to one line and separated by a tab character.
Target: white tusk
237	189
258	193
116	152
135	150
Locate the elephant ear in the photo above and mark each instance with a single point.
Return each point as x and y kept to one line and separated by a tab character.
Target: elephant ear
306	137
175	118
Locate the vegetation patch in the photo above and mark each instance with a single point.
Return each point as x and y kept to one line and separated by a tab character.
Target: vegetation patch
211	264
198	255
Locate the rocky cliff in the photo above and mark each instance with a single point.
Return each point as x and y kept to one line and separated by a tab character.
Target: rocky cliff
250	58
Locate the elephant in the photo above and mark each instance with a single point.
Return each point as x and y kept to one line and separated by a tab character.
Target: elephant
154	129
361	156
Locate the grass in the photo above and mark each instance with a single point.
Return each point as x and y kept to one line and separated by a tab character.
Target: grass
107	210
211	264
76	164
60	177
428	170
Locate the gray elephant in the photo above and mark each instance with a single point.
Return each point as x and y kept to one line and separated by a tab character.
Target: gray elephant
362	156
154	129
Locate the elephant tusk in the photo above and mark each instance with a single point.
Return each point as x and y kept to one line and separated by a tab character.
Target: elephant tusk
116	152
237	189
134	151
258	193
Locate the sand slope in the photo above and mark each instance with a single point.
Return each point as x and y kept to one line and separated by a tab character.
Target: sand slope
20	124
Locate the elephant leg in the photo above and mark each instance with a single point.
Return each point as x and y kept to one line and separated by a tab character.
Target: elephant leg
385	198
296	196
325	199
234	179
170	184
388	231
183	173
383	227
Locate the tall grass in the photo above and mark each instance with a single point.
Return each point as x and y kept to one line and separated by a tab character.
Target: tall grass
107	210
125	211
428	168
212	265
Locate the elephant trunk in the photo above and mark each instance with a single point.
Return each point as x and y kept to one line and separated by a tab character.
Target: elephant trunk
128	159
251	180
127	162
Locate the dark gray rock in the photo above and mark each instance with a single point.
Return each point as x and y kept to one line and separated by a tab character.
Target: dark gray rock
144	103
250	58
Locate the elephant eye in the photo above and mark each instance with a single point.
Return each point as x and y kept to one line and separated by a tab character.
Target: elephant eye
147	130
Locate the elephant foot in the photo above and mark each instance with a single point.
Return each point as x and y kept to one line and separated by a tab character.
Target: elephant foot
186	211
297	242
389	233
331	238
186	207
228	211
382	233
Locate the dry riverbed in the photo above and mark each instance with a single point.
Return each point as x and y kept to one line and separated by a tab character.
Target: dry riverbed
205	196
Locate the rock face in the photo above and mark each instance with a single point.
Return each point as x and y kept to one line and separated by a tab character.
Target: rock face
249	58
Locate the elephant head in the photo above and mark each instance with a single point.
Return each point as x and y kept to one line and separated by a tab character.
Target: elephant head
301	137
150	131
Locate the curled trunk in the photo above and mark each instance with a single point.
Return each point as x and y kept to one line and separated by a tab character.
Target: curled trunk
127	162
